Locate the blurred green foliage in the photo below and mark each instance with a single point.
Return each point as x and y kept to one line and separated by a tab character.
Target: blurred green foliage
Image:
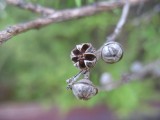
35	64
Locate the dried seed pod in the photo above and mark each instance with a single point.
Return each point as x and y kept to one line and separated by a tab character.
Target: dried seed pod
106	79
111	52
84	89
83	56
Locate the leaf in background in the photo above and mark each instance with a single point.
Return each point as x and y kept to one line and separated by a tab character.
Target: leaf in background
78	3
90	1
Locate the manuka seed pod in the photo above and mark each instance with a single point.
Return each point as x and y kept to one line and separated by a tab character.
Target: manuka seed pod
111	52
84	89
83	56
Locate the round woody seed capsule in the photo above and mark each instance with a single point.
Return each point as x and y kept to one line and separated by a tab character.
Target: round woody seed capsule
112	52
84	89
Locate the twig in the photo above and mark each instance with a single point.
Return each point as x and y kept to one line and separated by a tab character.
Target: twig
120	23
118	28
151	70
32	7
58	16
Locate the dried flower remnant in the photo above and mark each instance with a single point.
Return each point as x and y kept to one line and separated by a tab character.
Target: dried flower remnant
83	56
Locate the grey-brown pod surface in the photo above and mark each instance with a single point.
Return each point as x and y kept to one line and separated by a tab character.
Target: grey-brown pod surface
83	56
84	89
112	52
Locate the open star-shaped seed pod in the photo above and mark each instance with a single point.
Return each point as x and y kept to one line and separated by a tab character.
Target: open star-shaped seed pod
83	56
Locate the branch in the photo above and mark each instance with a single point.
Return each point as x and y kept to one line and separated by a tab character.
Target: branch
31	7
151	70
59	16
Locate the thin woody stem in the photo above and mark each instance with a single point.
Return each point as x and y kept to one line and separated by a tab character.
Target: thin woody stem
120	23
74	78
70	81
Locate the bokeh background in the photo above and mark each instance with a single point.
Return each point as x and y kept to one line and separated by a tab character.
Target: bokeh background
34	65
